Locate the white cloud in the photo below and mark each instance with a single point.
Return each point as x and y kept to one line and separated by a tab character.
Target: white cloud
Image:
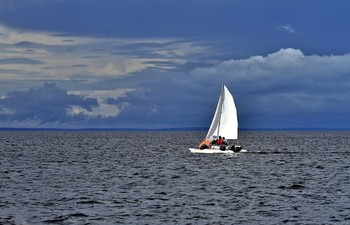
91	58
26	37
286	28
281	64
285	82
102	94
103	109
6	111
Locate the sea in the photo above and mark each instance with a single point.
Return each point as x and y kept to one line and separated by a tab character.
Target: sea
150	177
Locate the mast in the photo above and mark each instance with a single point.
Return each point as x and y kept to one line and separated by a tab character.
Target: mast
222	99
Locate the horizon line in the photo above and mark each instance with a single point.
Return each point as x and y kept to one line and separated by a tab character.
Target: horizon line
168	129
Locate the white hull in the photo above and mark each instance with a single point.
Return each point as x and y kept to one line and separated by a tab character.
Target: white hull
214	151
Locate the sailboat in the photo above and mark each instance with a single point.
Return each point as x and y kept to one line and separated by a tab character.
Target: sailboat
224	126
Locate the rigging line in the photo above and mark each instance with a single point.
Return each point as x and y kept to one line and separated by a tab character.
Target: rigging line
222	98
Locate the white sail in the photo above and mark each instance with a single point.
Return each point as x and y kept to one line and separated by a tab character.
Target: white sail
224	123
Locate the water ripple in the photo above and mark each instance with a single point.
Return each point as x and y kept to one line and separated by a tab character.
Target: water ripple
152	178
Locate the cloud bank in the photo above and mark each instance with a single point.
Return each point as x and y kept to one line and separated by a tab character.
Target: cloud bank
48	56
282	89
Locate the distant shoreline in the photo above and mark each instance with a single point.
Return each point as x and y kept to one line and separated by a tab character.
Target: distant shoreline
168	129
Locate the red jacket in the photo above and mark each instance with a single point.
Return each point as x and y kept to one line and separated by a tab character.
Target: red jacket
219	142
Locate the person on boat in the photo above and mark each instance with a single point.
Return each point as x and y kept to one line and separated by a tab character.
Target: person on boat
205	144
224	141
219	142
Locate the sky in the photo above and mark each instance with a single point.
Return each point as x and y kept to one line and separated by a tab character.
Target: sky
161	63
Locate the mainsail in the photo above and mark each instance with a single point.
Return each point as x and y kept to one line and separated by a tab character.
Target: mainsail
224	123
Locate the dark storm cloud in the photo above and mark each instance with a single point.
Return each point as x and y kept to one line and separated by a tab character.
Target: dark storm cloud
25	44
167	102
45	105
20	61
283	89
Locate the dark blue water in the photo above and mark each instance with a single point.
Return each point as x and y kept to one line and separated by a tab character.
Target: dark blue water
152	178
